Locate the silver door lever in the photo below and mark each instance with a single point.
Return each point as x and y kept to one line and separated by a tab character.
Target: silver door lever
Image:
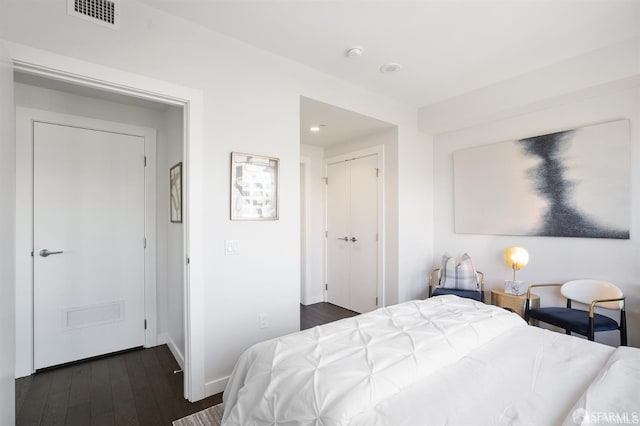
46	253
344	238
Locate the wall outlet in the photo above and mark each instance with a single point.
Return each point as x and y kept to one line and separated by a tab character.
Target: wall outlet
263	320
231	247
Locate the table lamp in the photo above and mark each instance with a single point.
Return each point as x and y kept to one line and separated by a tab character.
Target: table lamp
517	258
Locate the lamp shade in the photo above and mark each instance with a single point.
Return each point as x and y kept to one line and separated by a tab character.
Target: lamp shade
516	257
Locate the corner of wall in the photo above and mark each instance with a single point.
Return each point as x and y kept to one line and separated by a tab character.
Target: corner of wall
595	73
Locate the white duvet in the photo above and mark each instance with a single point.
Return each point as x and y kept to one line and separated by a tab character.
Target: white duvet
614	395
445	360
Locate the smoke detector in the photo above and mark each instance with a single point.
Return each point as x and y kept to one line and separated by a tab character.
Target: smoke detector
390	68
354	52
102	12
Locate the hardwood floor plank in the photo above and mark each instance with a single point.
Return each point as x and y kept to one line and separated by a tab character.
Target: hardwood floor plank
35	400
61	380
80	391
158	377
55	411
103	419
22	388
184	407
124	408
169	363
79	414
146	407
101	400
322	313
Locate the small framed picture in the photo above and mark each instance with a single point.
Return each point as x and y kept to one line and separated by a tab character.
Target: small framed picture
254	187
175	193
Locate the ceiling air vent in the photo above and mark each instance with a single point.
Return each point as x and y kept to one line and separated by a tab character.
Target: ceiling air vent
103	12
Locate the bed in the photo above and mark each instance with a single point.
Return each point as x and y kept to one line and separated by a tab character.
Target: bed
444	360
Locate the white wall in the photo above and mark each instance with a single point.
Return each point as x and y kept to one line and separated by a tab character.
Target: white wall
314	291
175	234
389	139
415	212
252	102
592	74
7	241
595	87
552	259
168	123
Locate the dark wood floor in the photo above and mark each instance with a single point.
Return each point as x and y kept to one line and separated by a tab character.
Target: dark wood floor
322	313
133	388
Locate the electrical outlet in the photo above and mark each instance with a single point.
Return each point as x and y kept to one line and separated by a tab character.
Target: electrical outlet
231	247
263	320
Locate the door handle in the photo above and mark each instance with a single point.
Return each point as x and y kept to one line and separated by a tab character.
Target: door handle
354	239
344	238
47	253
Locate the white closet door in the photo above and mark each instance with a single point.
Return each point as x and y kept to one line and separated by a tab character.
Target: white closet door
88	243
364	228
338	244
352	224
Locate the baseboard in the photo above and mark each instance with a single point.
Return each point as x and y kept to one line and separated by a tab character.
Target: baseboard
165	339
215	386
314	299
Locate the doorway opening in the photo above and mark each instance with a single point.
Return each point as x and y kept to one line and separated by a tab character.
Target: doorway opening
86	80
339	135
44	102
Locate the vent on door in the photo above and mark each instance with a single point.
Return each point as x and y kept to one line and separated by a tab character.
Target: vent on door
103	12
93	315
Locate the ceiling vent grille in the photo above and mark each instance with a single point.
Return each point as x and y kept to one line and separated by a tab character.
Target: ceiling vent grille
103	12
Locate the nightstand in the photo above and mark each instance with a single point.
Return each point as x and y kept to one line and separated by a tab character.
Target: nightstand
512	302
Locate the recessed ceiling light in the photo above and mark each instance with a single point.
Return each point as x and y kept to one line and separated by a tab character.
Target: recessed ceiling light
390	68
354	52
317	128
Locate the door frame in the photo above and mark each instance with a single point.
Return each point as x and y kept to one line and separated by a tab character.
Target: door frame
25	313
82	73
379	150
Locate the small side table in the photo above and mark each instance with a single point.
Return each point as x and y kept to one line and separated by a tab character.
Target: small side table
512	302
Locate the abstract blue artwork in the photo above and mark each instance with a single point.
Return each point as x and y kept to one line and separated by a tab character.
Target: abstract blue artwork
573	183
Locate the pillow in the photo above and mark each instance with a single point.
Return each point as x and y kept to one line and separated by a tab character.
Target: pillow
459	275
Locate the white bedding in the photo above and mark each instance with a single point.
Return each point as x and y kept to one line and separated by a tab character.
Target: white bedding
614	396
445	360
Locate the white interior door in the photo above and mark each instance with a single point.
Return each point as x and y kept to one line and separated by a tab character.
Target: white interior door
338	244
363	238
89	206
352	226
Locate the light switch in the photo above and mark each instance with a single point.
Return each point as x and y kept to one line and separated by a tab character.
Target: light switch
231	247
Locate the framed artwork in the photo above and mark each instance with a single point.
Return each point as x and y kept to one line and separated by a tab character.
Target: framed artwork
574	183
175	193
254	187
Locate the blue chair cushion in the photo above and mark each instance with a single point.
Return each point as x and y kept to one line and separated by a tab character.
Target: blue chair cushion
573	319
469	294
